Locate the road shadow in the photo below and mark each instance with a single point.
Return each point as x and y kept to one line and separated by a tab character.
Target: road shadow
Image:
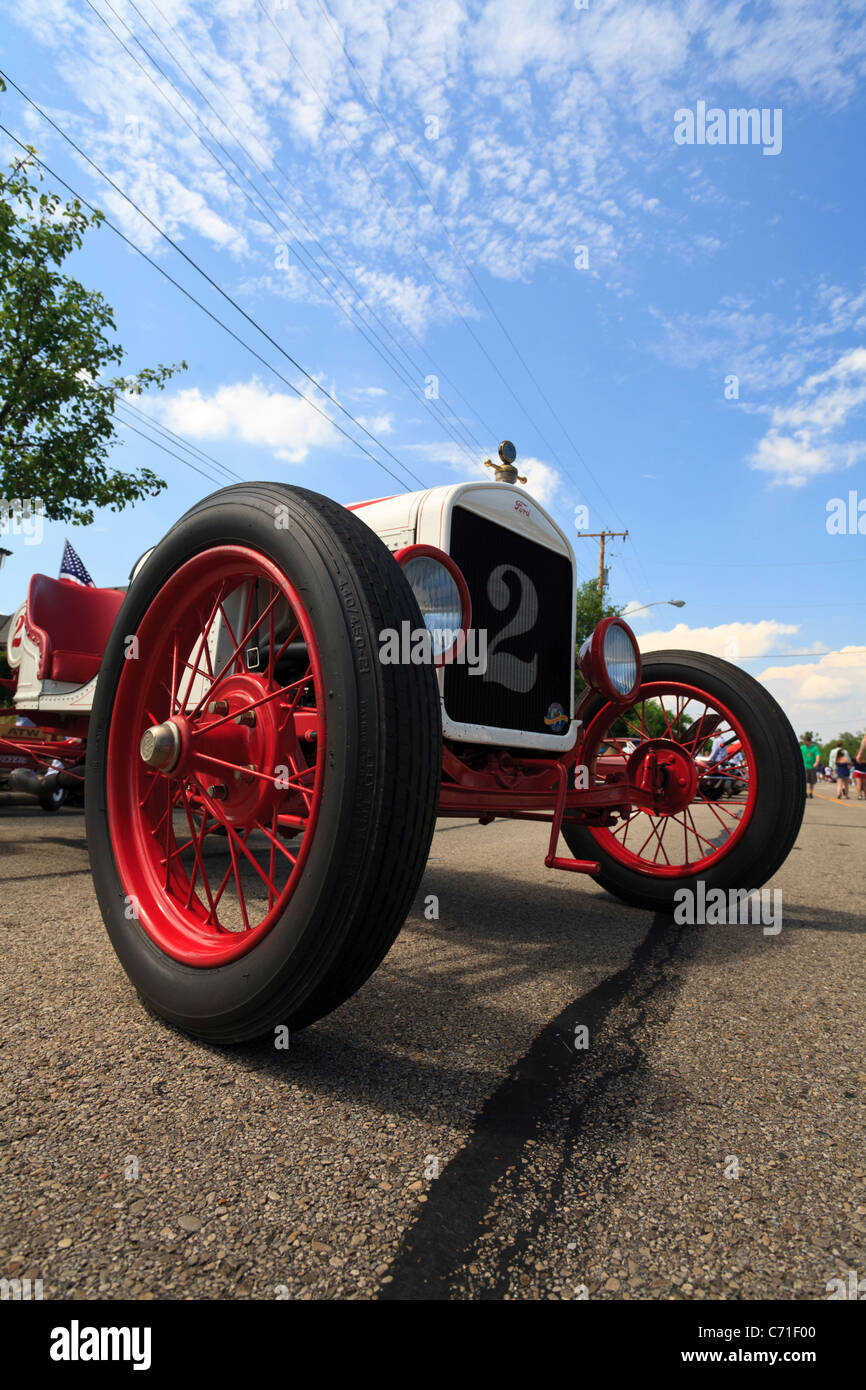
377	1046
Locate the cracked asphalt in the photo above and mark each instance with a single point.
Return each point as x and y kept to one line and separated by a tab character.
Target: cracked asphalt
442	1135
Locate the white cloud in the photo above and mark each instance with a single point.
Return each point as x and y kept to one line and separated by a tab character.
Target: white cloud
377	424
250	413
542	481
768	354
733	641
794	459
824	403
443	453
825	410
828	694
555	125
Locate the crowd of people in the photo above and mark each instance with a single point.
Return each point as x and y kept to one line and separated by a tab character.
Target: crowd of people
839	768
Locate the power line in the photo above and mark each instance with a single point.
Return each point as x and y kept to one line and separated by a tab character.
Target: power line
195	265
119	402
165	449
503	327
757	564
280	230
476	339
265	363
299	192
225	475
776	603
213	283
785	656
193	448
467	266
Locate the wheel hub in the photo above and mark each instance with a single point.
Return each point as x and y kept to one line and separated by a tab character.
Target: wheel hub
229	748
160	746
234	747
665	772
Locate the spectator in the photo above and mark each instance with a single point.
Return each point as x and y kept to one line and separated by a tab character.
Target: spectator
811	759
843	773
859	771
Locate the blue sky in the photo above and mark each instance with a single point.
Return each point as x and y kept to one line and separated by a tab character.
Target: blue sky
534	131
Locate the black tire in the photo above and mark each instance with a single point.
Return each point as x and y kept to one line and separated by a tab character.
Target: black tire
712	790
52	798
381	782
775	822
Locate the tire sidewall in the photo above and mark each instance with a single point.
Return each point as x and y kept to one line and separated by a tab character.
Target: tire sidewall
305	938
778	780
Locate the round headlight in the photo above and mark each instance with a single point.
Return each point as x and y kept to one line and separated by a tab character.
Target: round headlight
620	660
441	593
610	661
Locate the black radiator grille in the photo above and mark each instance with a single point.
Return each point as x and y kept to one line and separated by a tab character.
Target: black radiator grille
522	595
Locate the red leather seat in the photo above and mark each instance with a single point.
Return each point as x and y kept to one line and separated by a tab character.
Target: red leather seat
71	624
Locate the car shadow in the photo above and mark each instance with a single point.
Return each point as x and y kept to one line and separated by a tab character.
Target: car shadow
407	1038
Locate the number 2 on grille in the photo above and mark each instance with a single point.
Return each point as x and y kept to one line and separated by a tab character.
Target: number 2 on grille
504	668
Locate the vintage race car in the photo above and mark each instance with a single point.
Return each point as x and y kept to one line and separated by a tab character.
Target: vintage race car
53	650
293	690
32	760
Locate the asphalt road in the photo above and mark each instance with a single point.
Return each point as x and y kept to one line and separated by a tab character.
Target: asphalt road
440	1135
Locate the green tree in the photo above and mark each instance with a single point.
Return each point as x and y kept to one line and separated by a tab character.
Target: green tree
850	742
57	421
591	607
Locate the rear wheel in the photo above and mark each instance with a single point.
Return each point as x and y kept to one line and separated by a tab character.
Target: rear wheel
52	797
729	835
261	790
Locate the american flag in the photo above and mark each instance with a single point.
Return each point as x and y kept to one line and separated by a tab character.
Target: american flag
71	567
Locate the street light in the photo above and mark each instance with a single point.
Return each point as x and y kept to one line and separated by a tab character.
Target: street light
3	556
674	603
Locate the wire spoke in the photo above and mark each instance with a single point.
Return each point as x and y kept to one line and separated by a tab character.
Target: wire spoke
277	845
231	660
256	704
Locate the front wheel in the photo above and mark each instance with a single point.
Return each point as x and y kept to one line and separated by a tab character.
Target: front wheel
737	838
261	789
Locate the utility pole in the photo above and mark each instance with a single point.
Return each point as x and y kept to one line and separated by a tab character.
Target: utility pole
601	536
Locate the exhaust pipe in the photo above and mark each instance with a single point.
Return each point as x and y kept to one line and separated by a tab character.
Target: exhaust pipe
70	781
24	779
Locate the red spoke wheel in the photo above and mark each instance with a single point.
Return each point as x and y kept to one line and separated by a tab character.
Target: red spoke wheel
721	765
261	789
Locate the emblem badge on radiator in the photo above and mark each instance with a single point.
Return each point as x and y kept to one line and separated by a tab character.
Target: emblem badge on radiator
556	718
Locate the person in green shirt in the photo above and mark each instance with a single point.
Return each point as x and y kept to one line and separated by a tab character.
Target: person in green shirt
811	758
